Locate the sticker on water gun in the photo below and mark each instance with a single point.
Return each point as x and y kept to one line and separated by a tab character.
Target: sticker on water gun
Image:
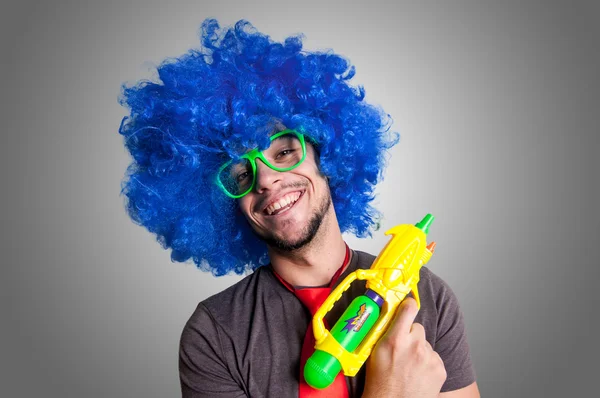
355	323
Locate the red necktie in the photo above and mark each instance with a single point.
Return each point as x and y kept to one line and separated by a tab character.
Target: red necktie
312	298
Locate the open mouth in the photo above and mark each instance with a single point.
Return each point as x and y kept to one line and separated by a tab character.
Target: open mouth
283	204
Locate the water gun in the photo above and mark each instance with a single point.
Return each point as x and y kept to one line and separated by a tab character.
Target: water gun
393	275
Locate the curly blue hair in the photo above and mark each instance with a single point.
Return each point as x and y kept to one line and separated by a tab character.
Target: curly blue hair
214	103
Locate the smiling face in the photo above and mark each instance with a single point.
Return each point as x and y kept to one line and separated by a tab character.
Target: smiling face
286	209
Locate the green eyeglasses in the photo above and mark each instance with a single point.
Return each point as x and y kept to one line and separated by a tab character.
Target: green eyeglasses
286	151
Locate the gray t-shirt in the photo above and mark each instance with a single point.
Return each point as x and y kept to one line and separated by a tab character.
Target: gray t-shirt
246	340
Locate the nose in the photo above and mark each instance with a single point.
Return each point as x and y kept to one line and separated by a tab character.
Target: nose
266	177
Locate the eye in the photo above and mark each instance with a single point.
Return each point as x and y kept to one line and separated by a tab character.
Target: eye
241	177
284	153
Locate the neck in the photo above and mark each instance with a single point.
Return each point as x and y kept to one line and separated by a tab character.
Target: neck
316	263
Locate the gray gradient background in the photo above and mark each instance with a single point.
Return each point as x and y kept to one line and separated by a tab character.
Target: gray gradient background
498	106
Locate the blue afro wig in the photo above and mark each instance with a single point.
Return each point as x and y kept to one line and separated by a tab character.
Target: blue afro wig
213	103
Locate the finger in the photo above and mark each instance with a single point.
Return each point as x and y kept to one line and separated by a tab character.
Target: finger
405	317
418	331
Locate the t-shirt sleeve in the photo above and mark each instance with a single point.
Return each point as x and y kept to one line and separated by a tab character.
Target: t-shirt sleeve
451	339
203	371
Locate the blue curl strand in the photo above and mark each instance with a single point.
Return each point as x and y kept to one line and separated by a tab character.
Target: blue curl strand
213	103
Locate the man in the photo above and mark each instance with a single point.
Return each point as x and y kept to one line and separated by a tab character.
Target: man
256	155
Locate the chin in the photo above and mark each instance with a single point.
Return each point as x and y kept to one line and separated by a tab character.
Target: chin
298	236
296	230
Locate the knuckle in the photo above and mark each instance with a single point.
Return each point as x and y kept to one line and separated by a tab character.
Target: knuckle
417	328
442	374
394	343
388	342
439	367
423	345
429	347
420	351
417	331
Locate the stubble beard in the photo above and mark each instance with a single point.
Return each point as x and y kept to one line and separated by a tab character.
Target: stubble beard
308	233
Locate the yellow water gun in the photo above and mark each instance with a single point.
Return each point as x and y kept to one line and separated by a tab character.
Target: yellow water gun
393	275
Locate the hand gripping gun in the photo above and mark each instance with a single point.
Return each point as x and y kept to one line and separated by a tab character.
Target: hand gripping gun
393	275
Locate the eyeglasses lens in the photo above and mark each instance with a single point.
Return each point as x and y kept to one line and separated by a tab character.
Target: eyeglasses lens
237	177
285	152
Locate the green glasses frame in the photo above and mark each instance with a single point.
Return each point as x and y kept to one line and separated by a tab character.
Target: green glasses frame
254	154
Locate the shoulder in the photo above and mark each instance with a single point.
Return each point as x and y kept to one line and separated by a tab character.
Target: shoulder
440	289
218	320
237	298
364	260
227	336
211	335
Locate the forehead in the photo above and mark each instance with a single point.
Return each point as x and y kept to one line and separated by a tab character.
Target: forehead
288	137
277	138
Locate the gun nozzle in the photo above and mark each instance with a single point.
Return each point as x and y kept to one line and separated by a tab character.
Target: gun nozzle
431	247
424	224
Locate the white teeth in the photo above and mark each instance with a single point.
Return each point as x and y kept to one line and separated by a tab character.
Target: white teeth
283	202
